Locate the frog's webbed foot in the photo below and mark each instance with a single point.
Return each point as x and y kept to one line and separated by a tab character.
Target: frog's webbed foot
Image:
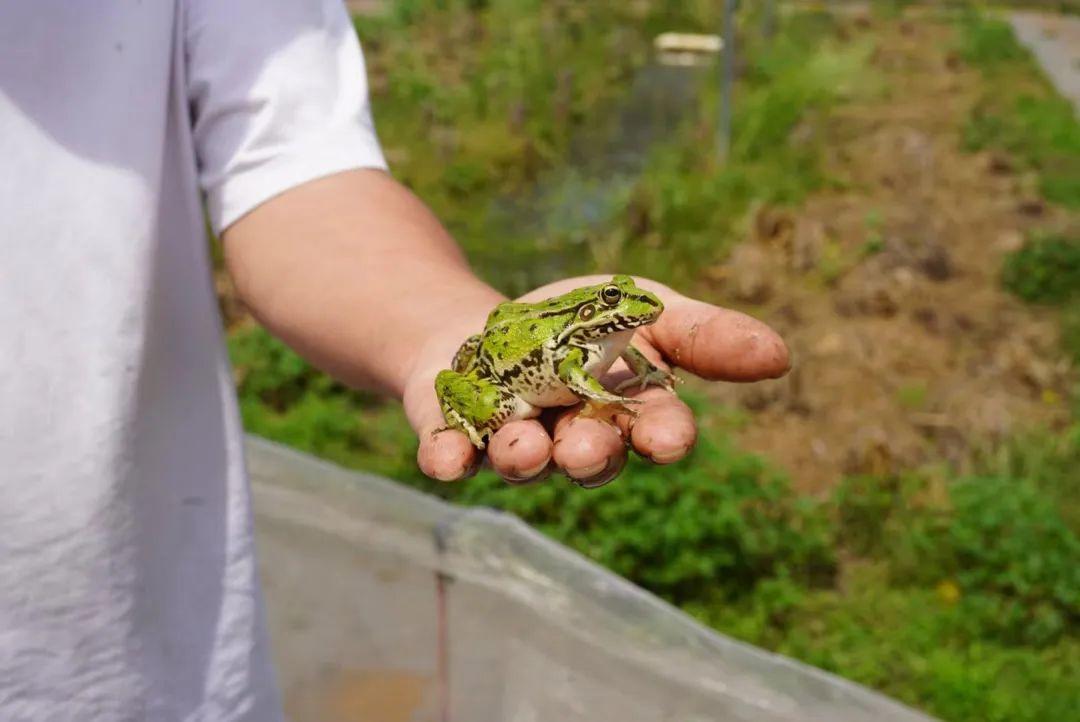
472	405
608	411
646	373
599	402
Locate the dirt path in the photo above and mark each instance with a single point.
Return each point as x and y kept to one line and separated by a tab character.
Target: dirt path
907	351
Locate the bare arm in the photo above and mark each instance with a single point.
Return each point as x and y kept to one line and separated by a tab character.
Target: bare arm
356	274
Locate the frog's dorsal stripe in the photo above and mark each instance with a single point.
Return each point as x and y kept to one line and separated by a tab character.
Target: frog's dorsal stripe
565	310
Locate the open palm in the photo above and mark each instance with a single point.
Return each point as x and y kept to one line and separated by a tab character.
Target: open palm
708	341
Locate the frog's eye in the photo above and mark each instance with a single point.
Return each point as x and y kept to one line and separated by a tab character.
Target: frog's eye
610	295
587	311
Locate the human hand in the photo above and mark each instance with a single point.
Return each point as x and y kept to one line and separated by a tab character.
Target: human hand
711	342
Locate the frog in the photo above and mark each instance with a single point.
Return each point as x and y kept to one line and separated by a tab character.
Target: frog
533	356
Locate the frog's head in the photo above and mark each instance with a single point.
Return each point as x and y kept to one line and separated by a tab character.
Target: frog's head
608	308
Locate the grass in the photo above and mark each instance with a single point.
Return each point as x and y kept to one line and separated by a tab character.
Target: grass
1019	111
688	208
957	595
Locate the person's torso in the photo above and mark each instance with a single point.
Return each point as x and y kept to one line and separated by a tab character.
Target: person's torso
127	582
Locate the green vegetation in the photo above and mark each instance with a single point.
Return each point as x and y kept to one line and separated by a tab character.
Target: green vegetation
712	529
686	210
471	112
285	399
958	595
959	599
496	144
1020	112
1045	270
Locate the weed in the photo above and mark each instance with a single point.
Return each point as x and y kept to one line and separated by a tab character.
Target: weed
713	527
1045	270
1007	549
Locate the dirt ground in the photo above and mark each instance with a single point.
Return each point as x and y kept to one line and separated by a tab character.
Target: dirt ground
906	350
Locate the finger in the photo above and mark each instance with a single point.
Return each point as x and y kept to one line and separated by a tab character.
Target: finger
520	451
717	343
447	455
590	451
664	430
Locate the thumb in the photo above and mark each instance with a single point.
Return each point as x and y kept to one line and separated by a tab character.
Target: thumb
447	455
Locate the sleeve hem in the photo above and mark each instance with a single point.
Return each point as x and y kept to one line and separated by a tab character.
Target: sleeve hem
245	190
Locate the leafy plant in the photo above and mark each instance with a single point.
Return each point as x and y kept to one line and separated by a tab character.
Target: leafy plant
996	546
1045	270
713	527
910	643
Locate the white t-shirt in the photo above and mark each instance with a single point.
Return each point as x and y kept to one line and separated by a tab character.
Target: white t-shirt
128	586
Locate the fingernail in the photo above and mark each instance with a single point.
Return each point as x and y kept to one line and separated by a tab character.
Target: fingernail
586	471
454	476
533	471
471	469
666	457
606	475
525	481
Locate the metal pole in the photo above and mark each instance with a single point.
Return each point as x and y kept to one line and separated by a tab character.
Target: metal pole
768	19
723	140
441	534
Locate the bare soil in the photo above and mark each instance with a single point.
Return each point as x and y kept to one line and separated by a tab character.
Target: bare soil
906	349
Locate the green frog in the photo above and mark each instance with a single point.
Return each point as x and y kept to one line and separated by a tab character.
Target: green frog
532	356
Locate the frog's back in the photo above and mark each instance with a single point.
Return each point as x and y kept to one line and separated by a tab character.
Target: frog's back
507	311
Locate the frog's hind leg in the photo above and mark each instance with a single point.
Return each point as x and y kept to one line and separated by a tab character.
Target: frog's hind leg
646	373
472	405
599	402
466	354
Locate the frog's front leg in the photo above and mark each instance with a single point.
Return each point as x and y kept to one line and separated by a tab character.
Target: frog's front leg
600	403
473	405
646	373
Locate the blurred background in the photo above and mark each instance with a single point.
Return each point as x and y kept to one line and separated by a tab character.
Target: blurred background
895	187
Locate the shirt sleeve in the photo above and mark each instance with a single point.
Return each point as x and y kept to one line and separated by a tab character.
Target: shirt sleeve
278	96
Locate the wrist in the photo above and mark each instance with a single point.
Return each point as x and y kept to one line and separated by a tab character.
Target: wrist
450	312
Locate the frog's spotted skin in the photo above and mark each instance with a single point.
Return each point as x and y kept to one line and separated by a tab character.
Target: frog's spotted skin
535	355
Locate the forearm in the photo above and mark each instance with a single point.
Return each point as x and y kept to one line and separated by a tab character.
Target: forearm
354	273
